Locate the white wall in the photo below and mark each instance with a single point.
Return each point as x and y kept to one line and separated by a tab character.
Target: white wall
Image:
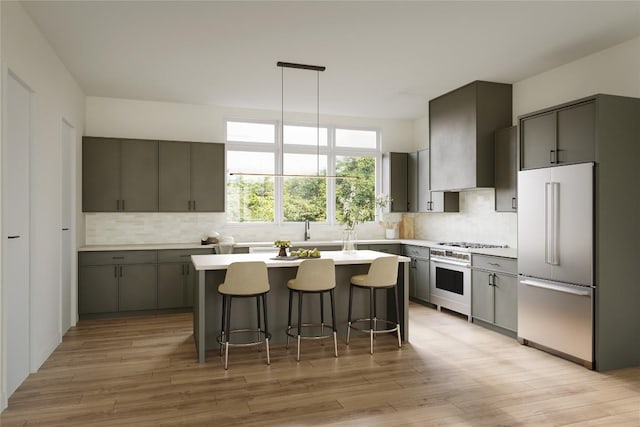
56	96
613	71
184	122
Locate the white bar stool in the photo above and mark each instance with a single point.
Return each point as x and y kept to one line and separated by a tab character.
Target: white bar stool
244	280
313	276
383	274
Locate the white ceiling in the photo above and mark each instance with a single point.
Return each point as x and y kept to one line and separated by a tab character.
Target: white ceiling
384	59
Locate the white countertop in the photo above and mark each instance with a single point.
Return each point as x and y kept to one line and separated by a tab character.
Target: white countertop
221	262
501	252
143	247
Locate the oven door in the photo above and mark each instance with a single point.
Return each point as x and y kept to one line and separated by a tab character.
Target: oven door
451	285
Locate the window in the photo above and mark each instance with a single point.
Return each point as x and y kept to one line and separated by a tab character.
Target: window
256	152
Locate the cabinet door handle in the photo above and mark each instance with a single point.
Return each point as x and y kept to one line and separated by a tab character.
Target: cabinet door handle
552	157
194	205
514	205
183	269
118	204
120	271
115	271
123	204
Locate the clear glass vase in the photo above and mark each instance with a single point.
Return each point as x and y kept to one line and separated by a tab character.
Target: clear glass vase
349	241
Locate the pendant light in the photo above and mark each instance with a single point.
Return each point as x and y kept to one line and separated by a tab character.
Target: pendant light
317	69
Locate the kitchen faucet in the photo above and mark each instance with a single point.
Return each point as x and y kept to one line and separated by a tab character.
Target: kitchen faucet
307	235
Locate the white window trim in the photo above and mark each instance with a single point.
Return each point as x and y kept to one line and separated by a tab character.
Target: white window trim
330	150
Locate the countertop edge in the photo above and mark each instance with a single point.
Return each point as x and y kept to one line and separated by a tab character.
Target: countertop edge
499	252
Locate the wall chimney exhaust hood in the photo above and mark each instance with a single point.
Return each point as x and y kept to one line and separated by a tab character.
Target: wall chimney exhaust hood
461	127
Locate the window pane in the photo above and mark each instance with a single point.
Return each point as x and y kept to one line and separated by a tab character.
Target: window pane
355	198
356	138
305	135
250	198
305	198
251	132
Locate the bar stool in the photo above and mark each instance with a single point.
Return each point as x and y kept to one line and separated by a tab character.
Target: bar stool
383	274
313	276
244	280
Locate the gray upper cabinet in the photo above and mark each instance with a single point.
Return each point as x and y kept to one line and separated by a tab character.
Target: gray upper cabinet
558	136
207	177
139	175
174	176
191	177
394	180
119	175
412	182
461	127
433	201
506	169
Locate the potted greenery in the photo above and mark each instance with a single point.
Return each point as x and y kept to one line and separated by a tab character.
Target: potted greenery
283	245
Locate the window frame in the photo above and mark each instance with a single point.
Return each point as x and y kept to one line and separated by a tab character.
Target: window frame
330	150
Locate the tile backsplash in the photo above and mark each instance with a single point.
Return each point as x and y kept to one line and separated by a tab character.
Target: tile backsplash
476	222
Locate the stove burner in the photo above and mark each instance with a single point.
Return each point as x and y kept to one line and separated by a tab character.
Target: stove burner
470	245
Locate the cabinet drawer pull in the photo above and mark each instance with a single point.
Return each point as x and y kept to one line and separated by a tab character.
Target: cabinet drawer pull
13	237
496	264
117	257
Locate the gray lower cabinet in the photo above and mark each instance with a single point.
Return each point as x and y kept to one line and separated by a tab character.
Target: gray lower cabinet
191	177
124	281
392	248
97	289
418	272
137	287
113	281
494	287
177	277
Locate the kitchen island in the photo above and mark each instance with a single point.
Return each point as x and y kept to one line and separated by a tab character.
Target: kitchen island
211	271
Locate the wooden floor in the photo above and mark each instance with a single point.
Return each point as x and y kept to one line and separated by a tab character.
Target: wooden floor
143	371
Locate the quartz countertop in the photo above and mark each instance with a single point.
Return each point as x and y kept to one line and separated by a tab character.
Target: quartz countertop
221	262
500	252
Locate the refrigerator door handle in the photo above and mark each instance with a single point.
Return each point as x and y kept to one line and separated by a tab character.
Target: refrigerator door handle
551	193
553	287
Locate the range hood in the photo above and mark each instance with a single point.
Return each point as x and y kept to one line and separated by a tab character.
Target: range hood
461	127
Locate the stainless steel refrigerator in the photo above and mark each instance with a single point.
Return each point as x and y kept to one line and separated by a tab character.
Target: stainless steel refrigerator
556	260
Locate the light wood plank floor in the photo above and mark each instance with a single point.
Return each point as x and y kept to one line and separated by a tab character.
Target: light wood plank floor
142	372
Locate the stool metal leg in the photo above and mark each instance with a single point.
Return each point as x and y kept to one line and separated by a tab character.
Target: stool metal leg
375	313
333	323
266	327
299	322
289	317
258	316
395	289
321	295
371	310
226	331
349	315
222	327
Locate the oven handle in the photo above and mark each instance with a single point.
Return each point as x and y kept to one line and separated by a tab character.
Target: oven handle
450	262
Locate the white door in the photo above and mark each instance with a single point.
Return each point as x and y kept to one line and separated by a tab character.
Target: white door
66	139
15	230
